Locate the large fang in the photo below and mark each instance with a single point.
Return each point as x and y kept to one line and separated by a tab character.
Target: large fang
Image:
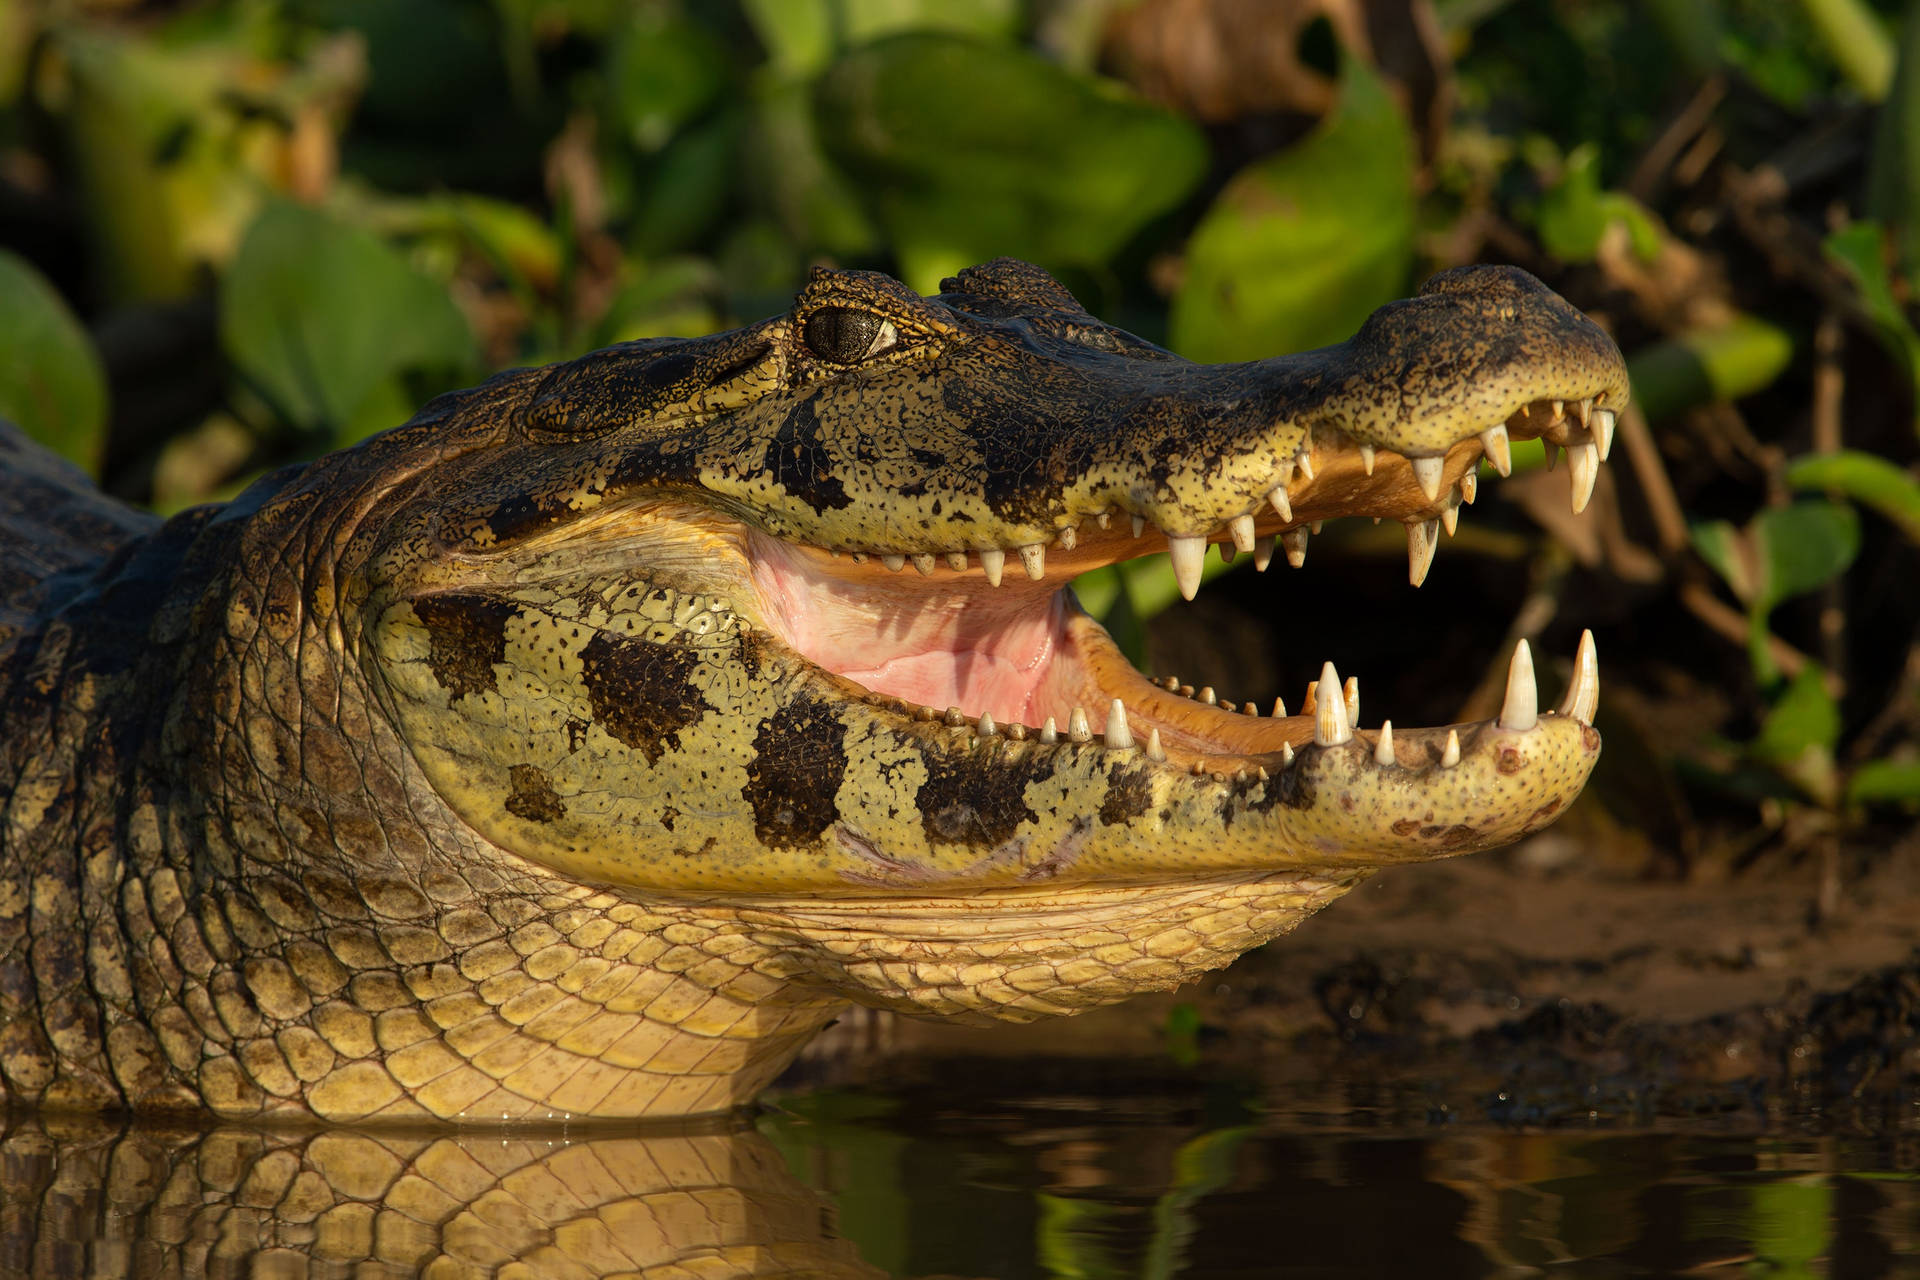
1366	457
1049	732
1522	709
1583	695
1583	465
1077	727
1330	724
1243	534
1350	694
1422	540
1429	472
1119	737
1383	751
1033	558
1154	750
1189	555
993	563
1603	431
1294	541
1281	503
1451	756
1499	451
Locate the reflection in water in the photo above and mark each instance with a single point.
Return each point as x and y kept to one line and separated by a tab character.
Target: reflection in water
972	1171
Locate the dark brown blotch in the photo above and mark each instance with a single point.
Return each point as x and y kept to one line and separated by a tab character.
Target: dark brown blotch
800	760
976	799
466	636
642	693
1129	794
533	796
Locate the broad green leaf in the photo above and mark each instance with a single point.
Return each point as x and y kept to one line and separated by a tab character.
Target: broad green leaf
1802	547
1575	212
688	185
792	180
1857	41
320	315
1860	250
1867	479
1705	366
663	74
803	36
1731	555
967	151
1893	170
1301	246
1804	715
51	380
1892	782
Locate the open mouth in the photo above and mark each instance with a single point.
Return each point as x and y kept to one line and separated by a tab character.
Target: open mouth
981	638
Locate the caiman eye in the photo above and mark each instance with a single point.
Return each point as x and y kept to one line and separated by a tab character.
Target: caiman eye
847	335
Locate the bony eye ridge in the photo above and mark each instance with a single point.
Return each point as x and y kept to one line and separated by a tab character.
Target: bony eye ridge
847	335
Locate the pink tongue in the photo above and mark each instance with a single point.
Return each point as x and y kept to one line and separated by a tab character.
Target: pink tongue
954	644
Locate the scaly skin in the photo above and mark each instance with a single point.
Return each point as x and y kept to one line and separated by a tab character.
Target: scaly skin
525	761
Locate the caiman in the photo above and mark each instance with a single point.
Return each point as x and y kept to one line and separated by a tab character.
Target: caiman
583	745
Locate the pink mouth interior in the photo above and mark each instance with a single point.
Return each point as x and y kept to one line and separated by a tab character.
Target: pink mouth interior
979	648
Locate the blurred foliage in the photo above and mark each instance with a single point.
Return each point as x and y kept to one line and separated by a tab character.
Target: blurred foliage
241	232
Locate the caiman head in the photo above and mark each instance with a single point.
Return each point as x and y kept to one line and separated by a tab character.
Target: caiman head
781	613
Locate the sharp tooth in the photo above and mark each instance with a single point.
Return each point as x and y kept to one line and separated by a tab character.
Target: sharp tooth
1243	535
1331	725
1279	708
986	728
1429	472
1263	553
1423	540
1281	503
1154	750
1450	518
1552	451
1260	772
1499	451
1068	538
924	563
1189	553
894	562
1119	736
1603	431
1583	467
993	563
957	561
1470	487
1350	694
1305	463
1583	409
1294	542
1559	410
1077	728
1366	457
1208	696
1033	558
1048	732
1139	525
1286	753
1103	519
1522	709
1583	695
1451	756
1383	751
1309	701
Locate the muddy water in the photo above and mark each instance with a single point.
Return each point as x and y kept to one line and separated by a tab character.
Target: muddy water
985	1169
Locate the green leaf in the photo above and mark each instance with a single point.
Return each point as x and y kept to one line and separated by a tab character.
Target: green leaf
1802	547
802	36
1731	555
1860	251
1575	212
1798	735
1301	246
51	380
1706	366
968	150
663	74
1857	41
1867	479
319	315
1891	782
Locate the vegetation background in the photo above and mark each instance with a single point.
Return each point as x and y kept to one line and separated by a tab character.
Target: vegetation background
242	232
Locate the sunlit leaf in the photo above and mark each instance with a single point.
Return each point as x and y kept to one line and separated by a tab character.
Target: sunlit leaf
1867	479
967	151
320	315
1731	555
1856	38
1707	366
662	74
793	181
1301	246
51	380
803	36
1575	212
1860	251
1890	782
1802	547
1799	733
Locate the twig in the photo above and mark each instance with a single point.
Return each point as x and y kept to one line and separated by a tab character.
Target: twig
1670	522
1732	624
1680	131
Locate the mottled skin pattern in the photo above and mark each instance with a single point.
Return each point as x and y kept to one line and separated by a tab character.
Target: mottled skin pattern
469	773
